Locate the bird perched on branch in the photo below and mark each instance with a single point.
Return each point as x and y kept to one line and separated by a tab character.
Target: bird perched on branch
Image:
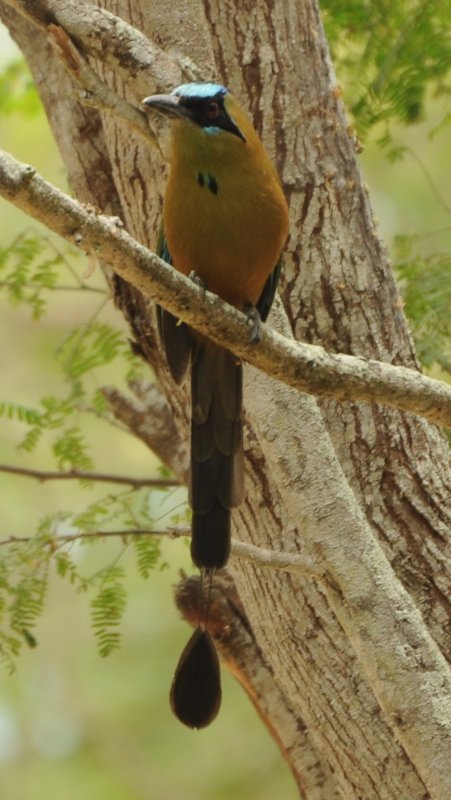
225	222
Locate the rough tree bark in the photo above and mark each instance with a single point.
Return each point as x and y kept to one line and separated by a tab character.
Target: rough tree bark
351	680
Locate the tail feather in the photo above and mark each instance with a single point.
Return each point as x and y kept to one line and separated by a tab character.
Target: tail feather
229	376
216	452
210	540
210	481
196	689
216	437
203	439
177	343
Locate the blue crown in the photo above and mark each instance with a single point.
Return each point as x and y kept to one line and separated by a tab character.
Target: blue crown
199	90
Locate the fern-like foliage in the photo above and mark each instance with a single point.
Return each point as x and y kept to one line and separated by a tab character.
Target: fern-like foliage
128	509
70	450
147	553
26	564
27	273
19	412
89	347
388	56
31	266
23	587
28	598
426	288
107	609
69	446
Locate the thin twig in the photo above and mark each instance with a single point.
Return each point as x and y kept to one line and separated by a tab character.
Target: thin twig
82	288
435	190
97	477
274	559
270	559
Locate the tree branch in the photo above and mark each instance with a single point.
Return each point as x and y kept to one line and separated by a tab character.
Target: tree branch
269	559
395	650
98	477
149	418
306	367
92	91
107	37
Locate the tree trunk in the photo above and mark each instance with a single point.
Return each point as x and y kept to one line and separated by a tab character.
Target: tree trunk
360	488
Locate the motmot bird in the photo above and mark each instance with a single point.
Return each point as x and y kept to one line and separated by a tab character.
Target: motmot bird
225	221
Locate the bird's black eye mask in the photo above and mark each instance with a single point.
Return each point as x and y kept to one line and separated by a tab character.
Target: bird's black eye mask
210	113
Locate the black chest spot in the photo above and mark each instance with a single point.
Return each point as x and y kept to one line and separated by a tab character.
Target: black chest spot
208	180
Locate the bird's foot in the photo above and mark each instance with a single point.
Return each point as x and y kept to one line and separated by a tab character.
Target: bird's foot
255	322
197	280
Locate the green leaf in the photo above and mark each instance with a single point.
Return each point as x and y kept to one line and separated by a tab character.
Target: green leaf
28	268
107	610
89	347
388	56
71	451
31	439
23	586
148	554
19	412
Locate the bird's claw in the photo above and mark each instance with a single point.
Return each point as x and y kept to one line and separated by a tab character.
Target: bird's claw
254	320
197	280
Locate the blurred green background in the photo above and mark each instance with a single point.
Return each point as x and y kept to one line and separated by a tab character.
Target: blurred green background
71	723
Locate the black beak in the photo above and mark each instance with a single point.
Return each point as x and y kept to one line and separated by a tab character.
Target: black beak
166	104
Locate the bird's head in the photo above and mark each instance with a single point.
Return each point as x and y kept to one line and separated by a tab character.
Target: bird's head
205	113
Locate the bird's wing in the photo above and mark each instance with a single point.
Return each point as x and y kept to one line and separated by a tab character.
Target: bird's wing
267	296
174	335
